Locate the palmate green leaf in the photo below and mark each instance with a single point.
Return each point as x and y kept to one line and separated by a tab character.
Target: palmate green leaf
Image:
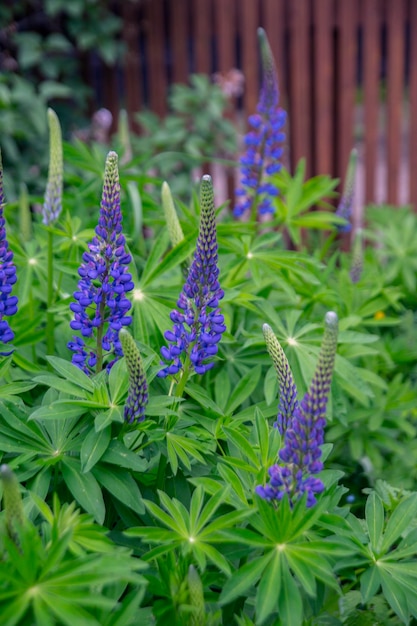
120	485
105	418
58	410
302	571
13	609
374	515
290	604
118	454
243	389
232	479
165	519
15	389
243	446
370	583
84	488
41	612
159	246
93	447
244	578
318	219
172	259
396	596
71	372
215	557
400	519
202	397
60	384
268	589
312	559
177	511
183	448
118	381
69	613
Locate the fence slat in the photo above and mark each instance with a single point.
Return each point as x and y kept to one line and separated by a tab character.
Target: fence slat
371	11
225	26
156	56
323	87
249	22
132	67
178	20
412	164
202	29
346	87
300	118
395	85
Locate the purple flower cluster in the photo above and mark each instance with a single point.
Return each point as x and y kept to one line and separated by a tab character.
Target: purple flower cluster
101	305
301	455
263	143
8	303
137	398
344	208
198	322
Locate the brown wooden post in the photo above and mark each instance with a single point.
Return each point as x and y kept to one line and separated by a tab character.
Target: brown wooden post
300	118
179	33
395	86
202	32
225	27
132	68
371	13
249	22
346	87
324	20
156	56
413	105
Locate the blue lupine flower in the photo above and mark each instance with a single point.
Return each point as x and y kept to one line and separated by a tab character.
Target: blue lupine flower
101	305
52	205
344	208
287	389
137	398
301	455
198	324
263	144
8	303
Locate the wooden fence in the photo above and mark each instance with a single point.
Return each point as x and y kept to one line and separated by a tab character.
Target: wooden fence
347	70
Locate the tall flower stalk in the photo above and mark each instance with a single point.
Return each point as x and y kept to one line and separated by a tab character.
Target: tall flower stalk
51	210
197	322
101	306
263	143
300	457
8	302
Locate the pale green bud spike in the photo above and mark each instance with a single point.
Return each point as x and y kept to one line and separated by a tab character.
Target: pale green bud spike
137	398
53	196
287	387
196	593
357	256
124	136
208	214
270	93
173	224
12	501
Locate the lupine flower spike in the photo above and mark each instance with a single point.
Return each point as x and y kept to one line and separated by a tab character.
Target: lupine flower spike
357	256
8	303
12	501
171	218
198	323
300	456
345	206
101	306
287	389
52	205
263	144
137	398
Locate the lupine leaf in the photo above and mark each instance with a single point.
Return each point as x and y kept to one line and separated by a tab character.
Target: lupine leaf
121	485
93	448
243	389
268	589
71	372
290	603
400	519
374	514
370	583
244	577
84	488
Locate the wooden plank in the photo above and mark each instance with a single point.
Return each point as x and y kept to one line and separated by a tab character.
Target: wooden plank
413	105
347	19
132	67
179	33
371	11
110	94
202	33
156	56
395	86
225	28
249	22
300	80
323	87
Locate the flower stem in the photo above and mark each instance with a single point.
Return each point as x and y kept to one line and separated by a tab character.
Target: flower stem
50	318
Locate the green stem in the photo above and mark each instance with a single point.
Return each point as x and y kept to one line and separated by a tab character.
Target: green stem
50	318
100	329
